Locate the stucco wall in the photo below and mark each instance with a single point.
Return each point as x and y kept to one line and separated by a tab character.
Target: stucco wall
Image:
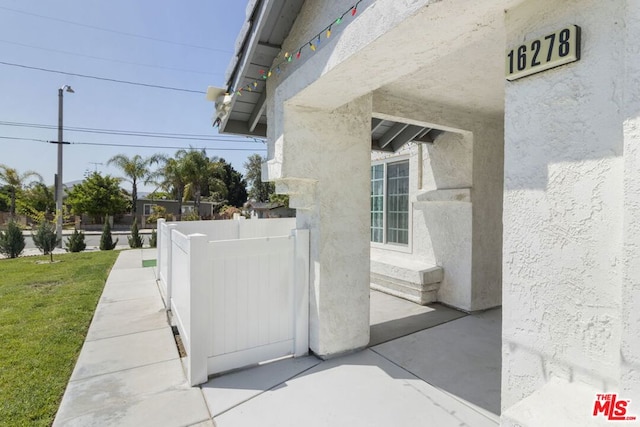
457	208
486	194
329	155
630	346
563	205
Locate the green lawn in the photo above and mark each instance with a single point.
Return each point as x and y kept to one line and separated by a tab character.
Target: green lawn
45	311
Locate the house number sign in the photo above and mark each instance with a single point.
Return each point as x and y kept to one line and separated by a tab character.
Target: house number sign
544	53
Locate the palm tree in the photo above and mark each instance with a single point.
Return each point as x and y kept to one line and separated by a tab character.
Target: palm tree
136	169
170	177
196	169
15	182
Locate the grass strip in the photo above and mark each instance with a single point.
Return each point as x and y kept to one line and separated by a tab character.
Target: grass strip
45	312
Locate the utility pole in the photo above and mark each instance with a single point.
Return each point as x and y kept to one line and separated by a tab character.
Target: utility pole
96	165
59	188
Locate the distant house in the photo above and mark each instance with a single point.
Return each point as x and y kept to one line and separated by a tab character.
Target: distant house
269	210
144	206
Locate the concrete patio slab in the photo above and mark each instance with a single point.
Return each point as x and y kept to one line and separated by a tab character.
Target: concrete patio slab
113	319
120	388
362	389
228	391
393	317
129	372
461	357
170	409
124	352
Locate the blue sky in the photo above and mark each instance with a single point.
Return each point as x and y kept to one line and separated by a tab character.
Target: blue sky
28	96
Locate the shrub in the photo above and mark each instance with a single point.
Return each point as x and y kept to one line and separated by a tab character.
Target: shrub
228	211
153	240
156	213
106	241
45	238
191	216
135	241
75	242
12	241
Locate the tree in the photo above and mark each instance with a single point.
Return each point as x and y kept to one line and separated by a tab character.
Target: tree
97	196
135	169
106	240
153	240
45	238
217	190
259	191
135	241
196	170
14	183
75	242
12	241
5	201
170	178
236	185
37	201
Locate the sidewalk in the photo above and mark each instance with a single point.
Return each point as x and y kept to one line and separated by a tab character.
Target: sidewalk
129	374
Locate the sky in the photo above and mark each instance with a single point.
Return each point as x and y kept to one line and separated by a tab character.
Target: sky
179	44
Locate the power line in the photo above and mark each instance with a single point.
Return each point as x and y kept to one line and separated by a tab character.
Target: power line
102	78
45	126
22	139
108	59
161	135
123	33
134	145
162	146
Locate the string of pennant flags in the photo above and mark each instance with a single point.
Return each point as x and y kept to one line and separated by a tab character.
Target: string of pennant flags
312	44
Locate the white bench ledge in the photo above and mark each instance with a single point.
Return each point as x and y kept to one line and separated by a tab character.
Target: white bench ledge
406	278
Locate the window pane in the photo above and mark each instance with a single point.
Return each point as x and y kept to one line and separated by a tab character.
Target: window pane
377	203
398	202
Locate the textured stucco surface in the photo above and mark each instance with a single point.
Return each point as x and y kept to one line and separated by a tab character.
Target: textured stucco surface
630	346
306	136
331	148
457	205
570	232
563	205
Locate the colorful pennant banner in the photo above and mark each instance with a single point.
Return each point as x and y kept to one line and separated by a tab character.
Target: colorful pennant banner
313	44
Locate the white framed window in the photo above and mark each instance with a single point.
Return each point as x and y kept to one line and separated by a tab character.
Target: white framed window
390	203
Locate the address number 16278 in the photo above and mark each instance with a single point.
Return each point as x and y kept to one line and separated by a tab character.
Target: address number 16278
544	53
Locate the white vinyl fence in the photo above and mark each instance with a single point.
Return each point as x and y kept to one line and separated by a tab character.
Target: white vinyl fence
238	291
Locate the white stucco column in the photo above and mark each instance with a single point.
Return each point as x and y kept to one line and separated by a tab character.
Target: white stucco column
326	170
564	208
630	348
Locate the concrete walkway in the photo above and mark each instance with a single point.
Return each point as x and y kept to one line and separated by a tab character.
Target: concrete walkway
129	374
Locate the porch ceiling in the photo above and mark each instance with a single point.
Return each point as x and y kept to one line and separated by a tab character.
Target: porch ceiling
387	135
471	78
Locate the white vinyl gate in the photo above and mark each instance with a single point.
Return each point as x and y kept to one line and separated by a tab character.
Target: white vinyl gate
238	302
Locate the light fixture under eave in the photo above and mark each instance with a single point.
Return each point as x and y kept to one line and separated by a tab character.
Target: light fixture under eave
222	102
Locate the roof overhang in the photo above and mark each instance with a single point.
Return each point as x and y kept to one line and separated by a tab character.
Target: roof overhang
267	26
